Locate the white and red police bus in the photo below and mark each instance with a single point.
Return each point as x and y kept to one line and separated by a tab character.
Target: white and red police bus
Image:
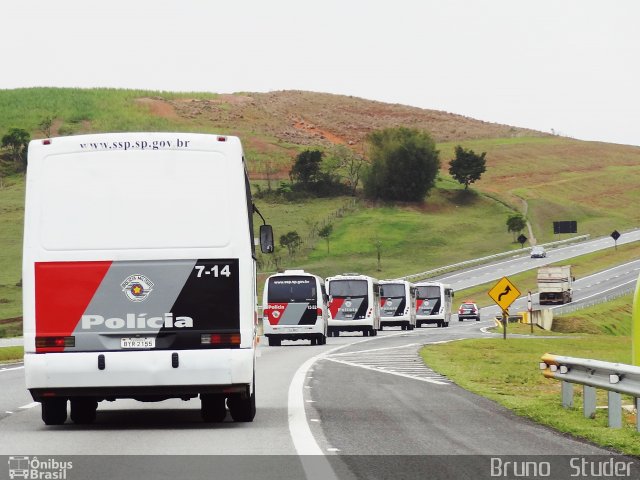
397	304
294	308
354	304
139	273
433	304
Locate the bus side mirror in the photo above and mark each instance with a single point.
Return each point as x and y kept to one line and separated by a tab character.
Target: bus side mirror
266	239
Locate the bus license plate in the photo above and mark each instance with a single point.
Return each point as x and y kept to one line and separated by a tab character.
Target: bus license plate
138	342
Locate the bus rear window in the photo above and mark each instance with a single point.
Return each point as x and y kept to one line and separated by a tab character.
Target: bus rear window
292	289
348	288
429	292
392	290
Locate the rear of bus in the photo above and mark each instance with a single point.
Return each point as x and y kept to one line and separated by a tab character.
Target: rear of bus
353	305
429	306
397	304
295	308
139	275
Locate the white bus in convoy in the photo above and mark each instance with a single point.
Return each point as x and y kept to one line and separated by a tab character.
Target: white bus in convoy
397	304
433	304
354	304
295	308
139	273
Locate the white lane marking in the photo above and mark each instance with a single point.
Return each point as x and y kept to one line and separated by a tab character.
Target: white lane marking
29	405
404	363
378	349
11	368
315	465
375	369
304	443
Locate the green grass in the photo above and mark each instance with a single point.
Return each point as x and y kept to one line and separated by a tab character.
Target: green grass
11	327
609	318
11	354
591	182
506	371
414	238
11	220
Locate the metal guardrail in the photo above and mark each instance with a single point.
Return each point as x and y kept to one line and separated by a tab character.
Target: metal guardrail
616	378
476	261
572	307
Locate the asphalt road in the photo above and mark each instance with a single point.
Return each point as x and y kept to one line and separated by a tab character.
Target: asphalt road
364	399
354	408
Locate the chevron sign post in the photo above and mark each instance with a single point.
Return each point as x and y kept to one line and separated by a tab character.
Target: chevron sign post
504	293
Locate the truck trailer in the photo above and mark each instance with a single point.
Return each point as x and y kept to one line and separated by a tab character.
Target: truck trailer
555	284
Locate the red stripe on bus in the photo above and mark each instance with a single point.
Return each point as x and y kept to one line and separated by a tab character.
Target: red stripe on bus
63	292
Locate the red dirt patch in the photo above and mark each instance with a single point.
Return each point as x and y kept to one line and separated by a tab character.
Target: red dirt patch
158	107
323	134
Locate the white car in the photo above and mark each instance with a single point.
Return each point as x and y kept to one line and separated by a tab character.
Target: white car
538	252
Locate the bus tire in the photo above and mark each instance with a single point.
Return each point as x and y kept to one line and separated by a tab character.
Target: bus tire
212	408
242	409
54	411
83	410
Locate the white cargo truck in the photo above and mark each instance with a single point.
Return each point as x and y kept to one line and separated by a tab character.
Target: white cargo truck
139	273
555	284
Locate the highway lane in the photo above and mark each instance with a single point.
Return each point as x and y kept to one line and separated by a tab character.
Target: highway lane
353	404
168	427
366	402
585	290
13	396
519	263
367	396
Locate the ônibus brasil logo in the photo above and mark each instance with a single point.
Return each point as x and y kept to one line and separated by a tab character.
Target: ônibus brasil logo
32	468
137	287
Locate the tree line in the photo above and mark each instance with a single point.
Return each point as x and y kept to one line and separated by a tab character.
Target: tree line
401	164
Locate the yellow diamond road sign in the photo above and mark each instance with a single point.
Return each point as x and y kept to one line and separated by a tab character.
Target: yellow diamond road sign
504	293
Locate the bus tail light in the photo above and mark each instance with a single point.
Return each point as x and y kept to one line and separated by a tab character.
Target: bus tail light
220	339
55	342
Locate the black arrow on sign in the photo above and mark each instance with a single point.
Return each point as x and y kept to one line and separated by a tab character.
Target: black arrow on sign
506	290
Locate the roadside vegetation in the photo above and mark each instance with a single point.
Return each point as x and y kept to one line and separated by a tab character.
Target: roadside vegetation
11	354
506	371
320	211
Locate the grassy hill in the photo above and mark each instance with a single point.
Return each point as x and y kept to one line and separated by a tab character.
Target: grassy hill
547	177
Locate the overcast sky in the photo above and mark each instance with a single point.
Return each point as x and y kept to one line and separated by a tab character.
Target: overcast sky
568	65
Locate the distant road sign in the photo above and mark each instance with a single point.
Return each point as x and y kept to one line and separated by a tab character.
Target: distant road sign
615	235
569	226
522	239
504	293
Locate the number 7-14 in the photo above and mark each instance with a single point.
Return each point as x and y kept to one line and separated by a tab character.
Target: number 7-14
216	271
